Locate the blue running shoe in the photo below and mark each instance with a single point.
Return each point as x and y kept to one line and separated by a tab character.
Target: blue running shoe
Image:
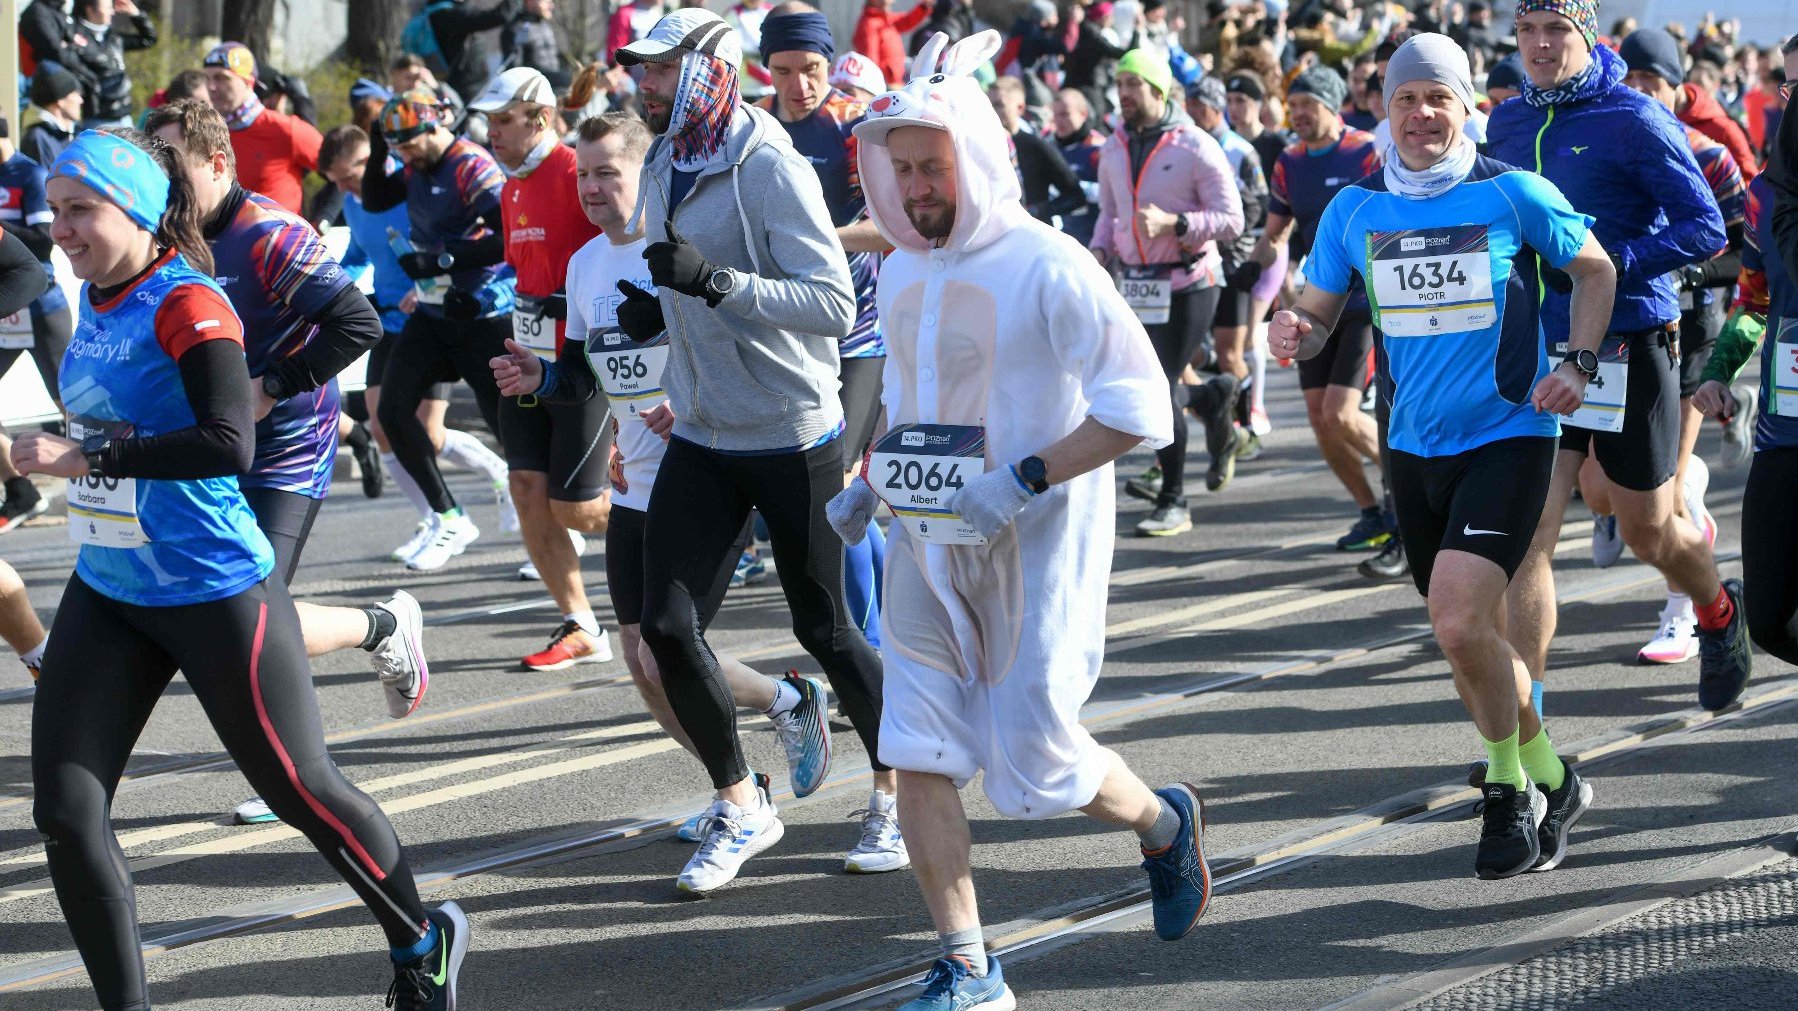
751	569
1179	878
428	983
805	734
691	830
950	986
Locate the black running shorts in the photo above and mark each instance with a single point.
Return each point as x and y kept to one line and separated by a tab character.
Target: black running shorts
377	367
624	569
1645	455
1485	501
1347	359
1698	330
572	443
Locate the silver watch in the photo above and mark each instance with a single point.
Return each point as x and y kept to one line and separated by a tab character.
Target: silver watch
721	283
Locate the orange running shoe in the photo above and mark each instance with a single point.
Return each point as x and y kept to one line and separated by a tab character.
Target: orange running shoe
570	645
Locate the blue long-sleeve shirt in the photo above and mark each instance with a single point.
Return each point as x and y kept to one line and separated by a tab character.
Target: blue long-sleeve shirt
1622	158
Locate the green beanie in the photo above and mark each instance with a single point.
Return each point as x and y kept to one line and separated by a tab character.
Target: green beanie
1150	66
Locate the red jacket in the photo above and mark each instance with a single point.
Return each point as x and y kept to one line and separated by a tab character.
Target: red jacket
1705	114
878	36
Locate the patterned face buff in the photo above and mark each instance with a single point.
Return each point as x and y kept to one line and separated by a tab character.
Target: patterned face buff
704	104
410	114
121	172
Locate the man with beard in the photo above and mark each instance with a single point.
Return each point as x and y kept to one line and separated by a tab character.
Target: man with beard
1017	367
451	188
755	294
1167	199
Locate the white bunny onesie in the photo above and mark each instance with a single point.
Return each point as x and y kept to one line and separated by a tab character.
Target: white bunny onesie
990	651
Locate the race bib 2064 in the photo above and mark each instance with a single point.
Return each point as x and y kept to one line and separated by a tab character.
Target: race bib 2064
916	469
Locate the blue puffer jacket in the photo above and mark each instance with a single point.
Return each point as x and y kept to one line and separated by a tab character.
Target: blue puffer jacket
1622	158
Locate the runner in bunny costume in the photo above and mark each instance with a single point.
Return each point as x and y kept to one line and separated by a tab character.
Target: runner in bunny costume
1016	375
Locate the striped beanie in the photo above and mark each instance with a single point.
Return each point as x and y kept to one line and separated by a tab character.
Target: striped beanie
1583	14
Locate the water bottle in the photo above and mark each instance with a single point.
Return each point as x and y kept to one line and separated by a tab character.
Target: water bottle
401	246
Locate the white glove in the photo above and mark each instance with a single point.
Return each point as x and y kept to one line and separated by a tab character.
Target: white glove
851	511
991	501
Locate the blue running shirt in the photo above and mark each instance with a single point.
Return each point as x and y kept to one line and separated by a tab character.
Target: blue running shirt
1452	282
121	375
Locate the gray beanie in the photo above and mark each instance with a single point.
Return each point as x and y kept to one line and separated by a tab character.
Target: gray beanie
1430	57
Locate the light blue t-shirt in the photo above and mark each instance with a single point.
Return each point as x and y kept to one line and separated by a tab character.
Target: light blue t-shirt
1454	285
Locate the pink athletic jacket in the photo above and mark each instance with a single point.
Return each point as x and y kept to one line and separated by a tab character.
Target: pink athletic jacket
1186	174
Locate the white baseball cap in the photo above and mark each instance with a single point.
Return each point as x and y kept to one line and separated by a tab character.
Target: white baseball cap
689	30
853	70
519	84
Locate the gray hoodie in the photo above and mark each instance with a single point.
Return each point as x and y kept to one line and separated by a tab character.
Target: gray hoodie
759	372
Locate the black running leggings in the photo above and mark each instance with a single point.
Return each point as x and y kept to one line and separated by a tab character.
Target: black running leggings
1770	552
107	665
696	512
285	518
428	351
1176	341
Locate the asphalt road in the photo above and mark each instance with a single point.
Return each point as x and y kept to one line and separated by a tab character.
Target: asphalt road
1309	706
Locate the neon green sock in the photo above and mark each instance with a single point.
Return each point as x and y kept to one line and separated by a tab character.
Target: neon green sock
1503	766
1540	761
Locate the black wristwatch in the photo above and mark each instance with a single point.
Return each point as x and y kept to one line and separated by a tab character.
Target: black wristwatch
272	387
1585	360
446	260
1035	474
1180	226
92	447
719	284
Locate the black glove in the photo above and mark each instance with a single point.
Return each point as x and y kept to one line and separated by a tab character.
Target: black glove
676	265
420	265
459	304
555	306
640	314
1245	275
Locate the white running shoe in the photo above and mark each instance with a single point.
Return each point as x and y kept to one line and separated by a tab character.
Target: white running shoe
400	660
1259	423
450	536
731	836
1677	639
420	537
527	573
1738	431
254	811
1607	543
508	512
1698	481
882	848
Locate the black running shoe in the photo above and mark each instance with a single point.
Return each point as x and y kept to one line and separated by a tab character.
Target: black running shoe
428	983
23	502
1368	533
1389	564
1508	841
368	460
1565	806
1146	487
1725	657
1220	430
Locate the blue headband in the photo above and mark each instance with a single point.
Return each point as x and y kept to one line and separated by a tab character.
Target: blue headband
808	32
121	172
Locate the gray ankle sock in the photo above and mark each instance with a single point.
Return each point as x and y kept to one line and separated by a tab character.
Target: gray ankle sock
1161	834
966	943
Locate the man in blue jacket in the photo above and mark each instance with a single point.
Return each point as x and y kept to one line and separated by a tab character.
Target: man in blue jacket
1622	158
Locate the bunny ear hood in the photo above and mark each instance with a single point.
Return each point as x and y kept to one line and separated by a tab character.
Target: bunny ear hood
944	95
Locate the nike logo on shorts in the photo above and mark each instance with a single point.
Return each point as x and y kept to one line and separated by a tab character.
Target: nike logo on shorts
1468	531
